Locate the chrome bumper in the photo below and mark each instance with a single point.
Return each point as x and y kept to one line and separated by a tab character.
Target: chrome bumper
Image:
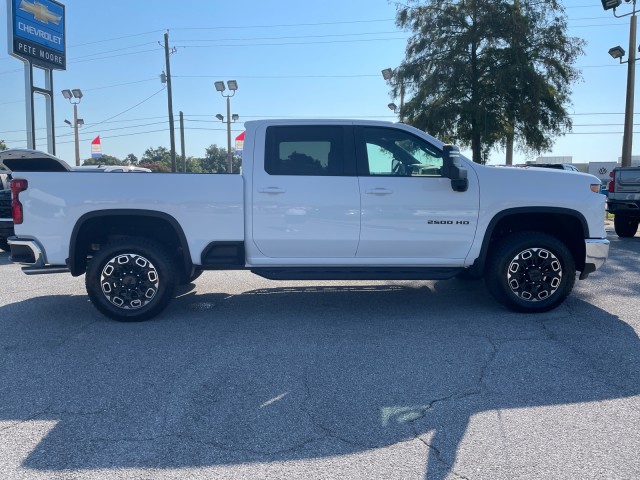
596	253
29	254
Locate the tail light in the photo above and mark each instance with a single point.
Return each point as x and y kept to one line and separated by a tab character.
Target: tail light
612	183
17	185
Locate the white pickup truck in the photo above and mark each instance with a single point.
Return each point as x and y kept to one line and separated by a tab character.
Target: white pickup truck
316	200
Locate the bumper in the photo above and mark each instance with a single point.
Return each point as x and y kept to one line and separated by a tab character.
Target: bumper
28	253
630	207
596	253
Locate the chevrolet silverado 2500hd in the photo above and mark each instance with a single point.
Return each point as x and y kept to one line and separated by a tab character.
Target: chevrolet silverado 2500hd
316	200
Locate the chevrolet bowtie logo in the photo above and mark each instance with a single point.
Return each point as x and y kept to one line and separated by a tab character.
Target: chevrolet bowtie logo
40	12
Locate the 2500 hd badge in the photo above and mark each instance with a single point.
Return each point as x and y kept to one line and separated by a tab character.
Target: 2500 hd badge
447	222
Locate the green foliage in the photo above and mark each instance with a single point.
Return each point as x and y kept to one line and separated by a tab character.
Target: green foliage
130	159
156	166
157	155
104	160
3	146
480	72
159	160
216	161
194	165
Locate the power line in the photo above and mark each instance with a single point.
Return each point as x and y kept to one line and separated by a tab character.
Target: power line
289	37
128	109
233	27
116	38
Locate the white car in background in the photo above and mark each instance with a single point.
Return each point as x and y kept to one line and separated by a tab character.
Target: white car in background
111	169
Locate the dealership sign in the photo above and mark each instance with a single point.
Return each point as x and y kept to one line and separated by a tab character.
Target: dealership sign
37	32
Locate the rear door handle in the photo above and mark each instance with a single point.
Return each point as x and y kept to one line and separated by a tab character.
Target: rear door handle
271	190
379	191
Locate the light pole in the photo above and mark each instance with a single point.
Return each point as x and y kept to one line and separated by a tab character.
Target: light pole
233	86
388	75
71	95
617	53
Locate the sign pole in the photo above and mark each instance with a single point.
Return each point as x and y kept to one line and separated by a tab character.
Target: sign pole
28	103
51	133
36	34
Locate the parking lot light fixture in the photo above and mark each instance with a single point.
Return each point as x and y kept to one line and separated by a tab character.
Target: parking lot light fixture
74	96
388	74
233	86
617	52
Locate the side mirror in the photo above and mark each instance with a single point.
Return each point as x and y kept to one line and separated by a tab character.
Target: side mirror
452	168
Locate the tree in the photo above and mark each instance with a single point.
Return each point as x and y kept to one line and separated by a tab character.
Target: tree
536	75
155	166
160	154
479	72
3	146
194	165
130	159
103	160
216	160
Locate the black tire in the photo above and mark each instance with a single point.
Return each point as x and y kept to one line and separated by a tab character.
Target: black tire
4	244
530	272
625	226
131	280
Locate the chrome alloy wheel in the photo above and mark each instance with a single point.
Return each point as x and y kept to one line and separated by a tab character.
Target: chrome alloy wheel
534	274
129	281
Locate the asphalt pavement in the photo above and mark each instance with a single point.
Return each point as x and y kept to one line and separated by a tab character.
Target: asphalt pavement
243	377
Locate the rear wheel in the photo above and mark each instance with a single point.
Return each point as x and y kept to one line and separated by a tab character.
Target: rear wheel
531	272
625	226
131	280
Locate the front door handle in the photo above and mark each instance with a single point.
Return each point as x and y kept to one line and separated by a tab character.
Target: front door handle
379	191
271	190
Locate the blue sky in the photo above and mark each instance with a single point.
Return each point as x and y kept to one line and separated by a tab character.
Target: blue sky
290	59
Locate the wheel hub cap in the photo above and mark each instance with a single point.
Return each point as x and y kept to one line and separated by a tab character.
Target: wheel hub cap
534	274
129	281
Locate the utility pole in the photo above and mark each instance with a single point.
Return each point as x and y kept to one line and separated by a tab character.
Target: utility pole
170	102
627	138
184	158
617	53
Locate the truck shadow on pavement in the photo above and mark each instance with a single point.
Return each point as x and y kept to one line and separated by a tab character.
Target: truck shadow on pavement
4	258
282	374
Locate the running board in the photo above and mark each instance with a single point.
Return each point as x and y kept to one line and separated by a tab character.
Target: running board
41	270
357	273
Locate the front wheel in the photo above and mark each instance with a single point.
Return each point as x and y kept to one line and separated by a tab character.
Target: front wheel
625	226
131	280
530	272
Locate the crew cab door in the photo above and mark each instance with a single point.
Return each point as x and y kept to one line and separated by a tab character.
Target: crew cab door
409	209
306	198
